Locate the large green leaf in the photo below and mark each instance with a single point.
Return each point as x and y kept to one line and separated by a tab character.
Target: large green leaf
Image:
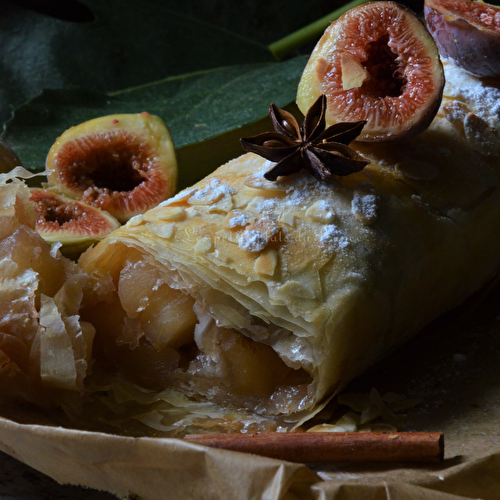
206	112
132	42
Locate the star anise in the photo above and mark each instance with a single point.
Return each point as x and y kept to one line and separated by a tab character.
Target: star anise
322	152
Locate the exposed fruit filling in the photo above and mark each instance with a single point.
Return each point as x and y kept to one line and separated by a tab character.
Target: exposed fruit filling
159	336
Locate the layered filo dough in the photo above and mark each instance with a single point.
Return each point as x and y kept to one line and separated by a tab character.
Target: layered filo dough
271	296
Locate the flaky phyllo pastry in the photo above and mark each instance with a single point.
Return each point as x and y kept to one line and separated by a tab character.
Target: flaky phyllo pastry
264	297
271	296
45	347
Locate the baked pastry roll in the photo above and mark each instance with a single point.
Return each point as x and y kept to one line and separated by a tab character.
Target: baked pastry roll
271	296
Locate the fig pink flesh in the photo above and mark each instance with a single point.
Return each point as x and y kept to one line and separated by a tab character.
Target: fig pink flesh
403	89
112	170
56	215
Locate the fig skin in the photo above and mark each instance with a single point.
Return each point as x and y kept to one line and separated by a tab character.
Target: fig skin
73	223
8	159
403	89
124	164
461	35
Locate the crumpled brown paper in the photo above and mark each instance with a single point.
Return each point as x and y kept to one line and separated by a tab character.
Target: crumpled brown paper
162	468
149	468
453	367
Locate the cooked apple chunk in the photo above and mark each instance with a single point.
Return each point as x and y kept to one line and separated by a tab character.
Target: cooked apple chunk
158	335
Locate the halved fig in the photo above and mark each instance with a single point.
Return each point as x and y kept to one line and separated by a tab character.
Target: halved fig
75	224
124	164
467	32
377	63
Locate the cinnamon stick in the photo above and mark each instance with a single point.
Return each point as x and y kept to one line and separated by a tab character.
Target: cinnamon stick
321	447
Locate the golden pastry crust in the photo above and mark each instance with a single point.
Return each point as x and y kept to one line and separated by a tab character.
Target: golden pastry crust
333	276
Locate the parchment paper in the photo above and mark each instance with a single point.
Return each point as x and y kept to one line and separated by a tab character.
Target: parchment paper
453	367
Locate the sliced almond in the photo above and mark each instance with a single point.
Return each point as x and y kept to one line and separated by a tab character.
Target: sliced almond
210	194
266	262
353	72
203	245
258	181
321	211
169	214
164	231
455	112
296	289
257	235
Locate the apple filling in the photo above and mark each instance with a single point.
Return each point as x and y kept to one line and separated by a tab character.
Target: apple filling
159	336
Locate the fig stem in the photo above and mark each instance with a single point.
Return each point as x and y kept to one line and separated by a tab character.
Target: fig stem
293	41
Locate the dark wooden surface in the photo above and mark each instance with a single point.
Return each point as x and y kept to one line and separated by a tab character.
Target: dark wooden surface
20	482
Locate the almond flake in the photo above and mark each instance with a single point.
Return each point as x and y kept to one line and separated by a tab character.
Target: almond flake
296	289
258	181
257	235
321	211
170	214
237	218
353	72
266	262
203	245
137	220
178	198
164	231
481	136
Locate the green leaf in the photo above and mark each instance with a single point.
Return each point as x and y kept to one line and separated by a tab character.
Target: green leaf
206	112
135	42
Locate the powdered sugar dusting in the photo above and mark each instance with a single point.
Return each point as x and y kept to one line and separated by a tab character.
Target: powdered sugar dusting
252	241
324	205
303	188
267	207
239	220
264	167
257	180
484	100
333	236
256	237
212	191
364	205
326	208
